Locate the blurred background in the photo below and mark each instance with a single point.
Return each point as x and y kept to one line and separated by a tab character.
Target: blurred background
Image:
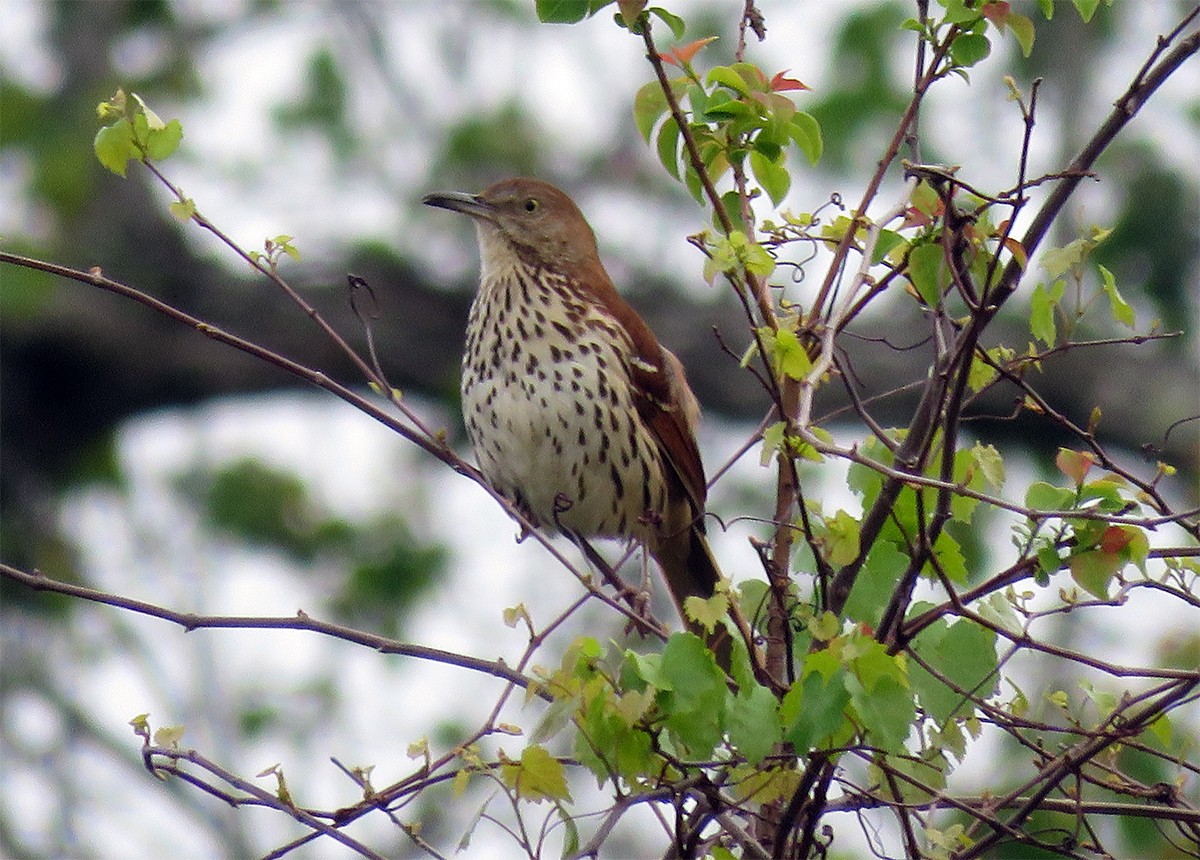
138	457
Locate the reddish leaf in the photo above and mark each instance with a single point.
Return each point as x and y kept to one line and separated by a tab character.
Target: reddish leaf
1115	539
1094	571
1018	251
779	83
1075	464
996	12
914	217
926	199
682	55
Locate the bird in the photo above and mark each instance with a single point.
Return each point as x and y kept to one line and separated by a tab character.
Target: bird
576	413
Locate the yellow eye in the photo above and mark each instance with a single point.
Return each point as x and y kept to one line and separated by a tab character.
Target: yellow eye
531	205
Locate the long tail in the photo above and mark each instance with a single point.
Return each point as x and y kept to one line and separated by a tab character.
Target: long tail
691	571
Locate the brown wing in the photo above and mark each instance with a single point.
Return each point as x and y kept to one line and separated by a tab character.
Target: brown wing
669	410
675	428
661	393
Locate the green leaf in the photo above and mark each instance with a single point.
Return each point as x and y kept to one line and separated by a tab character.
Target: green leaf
169	736
946	842
772	175
887	711
824	626
772	441
969	48
1041	315
162	142
733	208
1162	730
1058	261
990	463
888	239
674	22
927	776
926	200
649	104
538	776
696	97
806	132
1105	700
864	480
114	146
758	260
1048	560
284	243
981	374
997	609
723	106
791	359
950	558
694	706
1121	310
707	611
753	723
809	452
842	539
561	11
968	473
668	146
753	596
875	583
871	663
605	742
728	252
760	786
1107	491
739	665
781	109
754	77
813	711
554	719
958	12
1094	570
570	846
1047	8
1046	497
1139	549
965	654
726	76
183	210
928	273
1023	30
1087	8
141	125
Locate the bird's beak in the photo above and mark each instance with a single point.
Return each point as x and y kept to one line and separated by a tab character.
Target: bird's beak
458	201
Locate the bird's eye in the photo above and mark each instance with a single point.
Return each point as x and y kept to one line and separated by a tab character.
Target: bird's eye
531	205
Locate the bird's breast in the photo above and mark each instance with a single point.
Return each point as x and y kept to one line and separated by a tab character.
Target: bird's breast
548	404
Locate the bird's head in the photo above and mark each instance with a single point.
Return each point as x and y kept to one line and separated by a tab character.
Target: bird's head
528	219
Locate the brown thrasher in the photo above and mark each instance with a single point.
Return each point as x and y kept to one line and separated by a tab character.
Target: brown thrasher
576	412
